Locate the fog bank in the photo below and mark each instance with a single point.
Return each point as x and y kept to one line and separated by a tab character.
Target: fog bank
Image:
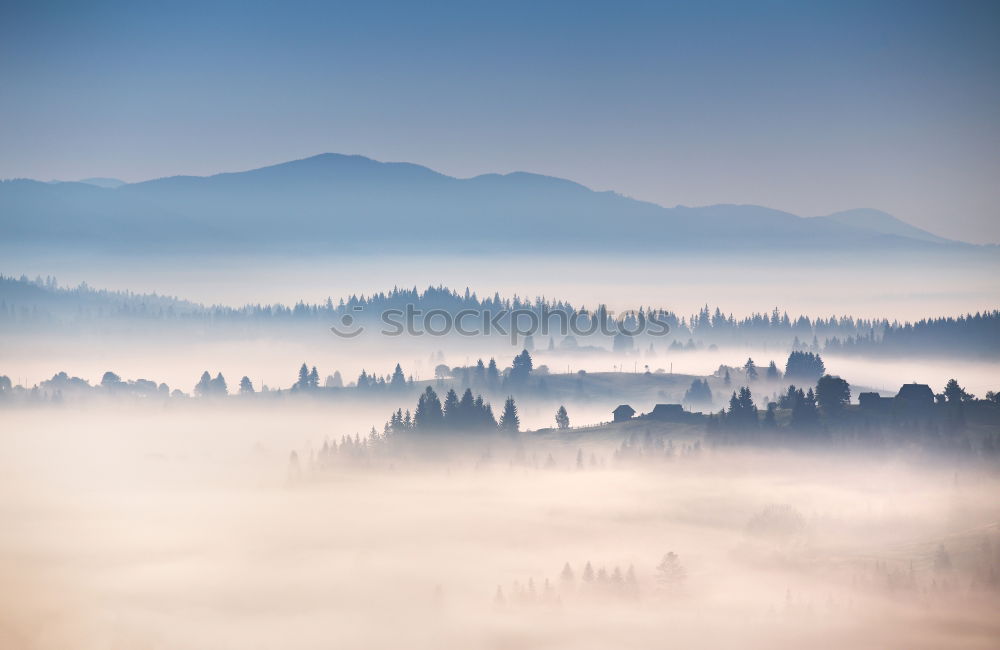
184	528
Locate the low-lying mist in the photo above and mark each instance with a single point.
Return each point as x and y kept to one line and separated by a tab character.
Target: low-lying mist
274	362
895	285
146	521
189	526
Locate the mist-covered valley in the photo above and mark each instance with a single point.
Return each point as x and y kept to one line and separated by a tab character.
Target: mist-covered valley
499	326
191	526
186	472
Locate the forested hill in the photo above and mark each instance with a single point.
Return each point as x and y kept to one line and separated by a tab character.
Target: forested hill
42	299
25	304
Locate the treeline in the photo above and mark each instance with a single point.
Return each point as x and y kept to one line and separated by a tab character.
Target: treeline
977	333
951	420
484	376
773	327
28	300
667	578
800	366
43	301
467	414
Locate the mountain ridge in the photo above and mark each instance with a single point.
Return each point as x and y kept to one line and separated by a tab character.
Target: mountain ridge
352	200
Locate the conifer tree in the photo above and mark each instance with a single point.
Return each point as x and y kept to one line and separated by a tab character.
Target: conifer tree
467	410
699	394
807	366
509	421
489	421
562	418
204	386
492	374
398	379
742	412
428	416
669	572
521	368
219	386
452	418
567	575
804	412
303	381
955	394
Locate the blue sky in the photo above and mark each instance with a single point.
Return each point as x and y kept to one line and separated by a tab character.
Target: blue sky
808	107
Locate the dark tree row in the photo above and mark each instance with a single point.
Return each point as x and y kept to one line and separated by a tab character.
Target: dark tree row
467	414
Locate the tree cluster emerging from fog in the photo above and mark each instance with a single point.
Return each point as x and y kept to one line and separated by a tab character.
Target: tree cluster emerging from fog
468	414
813	408
806	366
595	582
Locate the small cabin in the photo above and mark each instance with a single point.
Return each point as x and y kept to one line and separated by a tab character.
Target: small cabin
667	412
916	396
874	402
623	413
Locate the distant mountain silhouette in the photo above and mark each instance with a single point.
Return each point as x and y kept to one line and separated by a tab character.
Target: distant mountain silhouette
101	181
878	221
339	202
97	181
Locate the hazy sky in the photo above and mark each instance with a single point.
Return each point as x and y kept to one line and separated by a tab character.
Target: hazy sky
808	107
